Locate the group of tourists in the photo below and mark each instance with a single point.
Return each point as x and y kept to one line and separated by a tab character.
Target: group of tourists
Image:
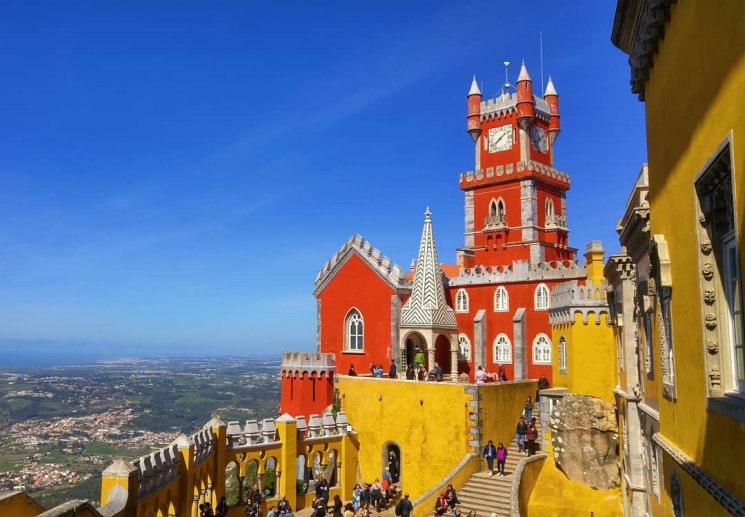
526	430
448	502
376	370
482	376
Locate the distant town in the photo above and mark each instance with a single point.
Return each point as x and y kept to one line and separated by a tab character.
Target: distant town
61	426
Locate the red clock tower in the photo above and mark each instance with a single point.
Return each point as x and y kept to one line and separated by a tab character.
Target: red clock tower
515	200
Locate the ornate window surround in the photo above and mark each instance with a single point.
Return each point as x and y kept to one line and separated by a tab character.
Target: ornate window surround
660	285
461	301
354	317
562	354
502	342
501	299
541	298
542	349
464	348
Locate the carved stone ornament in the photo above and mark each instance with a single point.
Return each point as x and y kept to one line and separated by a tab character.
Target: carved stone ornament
706	247
709	296
707	270
711	321
712	346
715	377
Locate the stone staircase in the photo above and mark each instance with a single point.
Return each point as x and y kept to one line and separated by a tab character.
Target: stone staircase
493	494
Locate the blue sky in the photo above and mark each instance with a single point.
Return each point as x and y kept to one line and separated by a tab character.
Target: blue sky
174	174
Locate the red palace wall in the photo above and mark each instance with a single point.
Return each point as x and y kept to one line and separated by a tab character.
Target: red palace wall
305	393
356	285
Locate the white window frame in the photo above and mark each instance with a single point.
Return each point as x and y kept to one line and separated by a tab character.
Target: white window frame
562	354
541	298
501	303
550	212
542	349
461	301
354	314
464	348
502	342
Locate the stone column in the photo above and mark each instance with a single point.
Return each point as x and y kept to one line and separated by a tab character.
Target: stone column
519	345
195	507
479	339
454	357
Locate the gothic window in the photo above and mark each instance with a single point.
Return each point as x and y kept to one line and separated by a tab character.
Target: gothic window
501	213
655	468
493	209
461	301
501	300
354	330
541	297
502	349
721	275
550	213
464	348
562	355
541	349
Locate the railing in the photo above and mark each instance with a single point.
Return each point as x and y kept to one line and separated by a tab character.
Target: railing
517	491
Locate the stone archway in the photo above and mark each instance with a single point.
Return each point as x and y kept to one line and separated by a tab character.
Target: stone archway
443	354
413	342
391	459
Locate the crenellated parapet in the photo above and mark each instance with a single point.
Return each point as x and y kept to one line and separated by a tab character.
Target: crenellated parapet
502	105
382	265
311	363
512	171
570	298
254	433
157	469
519	271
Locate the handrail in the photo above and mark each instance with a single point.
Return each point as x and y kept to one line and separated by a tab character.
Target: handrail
448	477
517	480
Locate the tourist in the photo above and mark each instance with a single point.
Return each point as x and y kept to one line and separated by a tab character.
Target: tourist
365	495
252	508
349	510
222	508
542	385
418	358
481	376
205	510
364	510
322	491
502	374
376	495
392	370
490	453
441	504
356	492
501	458
378	371
531	435
451	496
255	494
272	512
319	509
456	512
521	429
337	506
435	374
463	377
410	372
422	373
283	506
352	372
472	513
404	508
393	466
528	409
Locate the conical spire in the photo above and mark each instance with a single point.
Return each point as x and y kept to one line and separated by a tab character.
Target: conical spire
524	76
550	88
475	90
427	306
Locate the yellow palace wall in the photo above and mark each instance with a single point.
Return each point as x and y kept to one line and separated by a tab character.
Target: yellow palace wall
694	100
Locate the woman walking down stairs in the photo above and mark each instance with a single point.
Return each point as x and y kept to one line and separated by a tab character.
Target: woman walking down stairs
492	494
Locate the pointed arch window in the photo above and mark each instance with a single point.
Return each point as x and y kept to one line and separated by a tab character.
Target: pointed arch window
541	297
550	212
541	349
501	300
354	332
464	348
502	349
461	301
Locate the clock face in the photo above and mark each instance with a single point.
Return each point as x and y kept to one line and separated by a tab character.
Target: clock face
538	138
500	138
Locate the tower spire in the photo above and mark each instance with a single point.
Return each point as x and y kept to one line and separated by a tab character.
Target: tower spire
524	76
427	306
475	90
550	88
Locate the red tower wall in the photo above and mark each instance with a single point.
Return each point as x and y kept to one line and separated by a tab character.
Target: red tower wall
355	285
307	385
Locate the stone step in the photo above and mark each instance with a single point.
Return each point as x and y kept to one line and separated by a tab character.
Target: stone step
494	498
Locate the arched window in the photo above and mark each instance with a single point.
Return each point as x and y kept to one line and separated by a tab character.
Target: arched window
502	349
541	349
550	212
464	348
562	354
461	301
493	208
501	300
354	331
541	297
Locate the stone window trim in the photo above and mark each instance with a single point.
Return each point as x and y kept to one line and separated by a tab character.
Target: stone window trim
502	350
501	299
541	298
721	315
542	349
464	348
660	287
461	301
562	354
354	332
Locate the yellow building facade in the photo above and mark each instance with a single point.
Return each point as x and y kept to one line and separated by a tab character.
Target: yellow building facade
688	66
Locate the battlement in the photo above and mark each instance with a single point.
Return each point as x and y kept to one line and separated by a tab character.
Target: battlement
511	171
382	265
308	362
570	298
519	271
502	105
157	469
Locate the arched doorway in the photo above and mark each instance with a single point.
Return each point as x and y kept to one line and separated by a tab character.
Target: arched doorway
443	355
391	459
415	342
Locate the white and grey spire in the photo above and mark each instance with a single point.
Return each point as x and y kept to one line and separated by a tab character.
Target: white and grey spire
427	306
